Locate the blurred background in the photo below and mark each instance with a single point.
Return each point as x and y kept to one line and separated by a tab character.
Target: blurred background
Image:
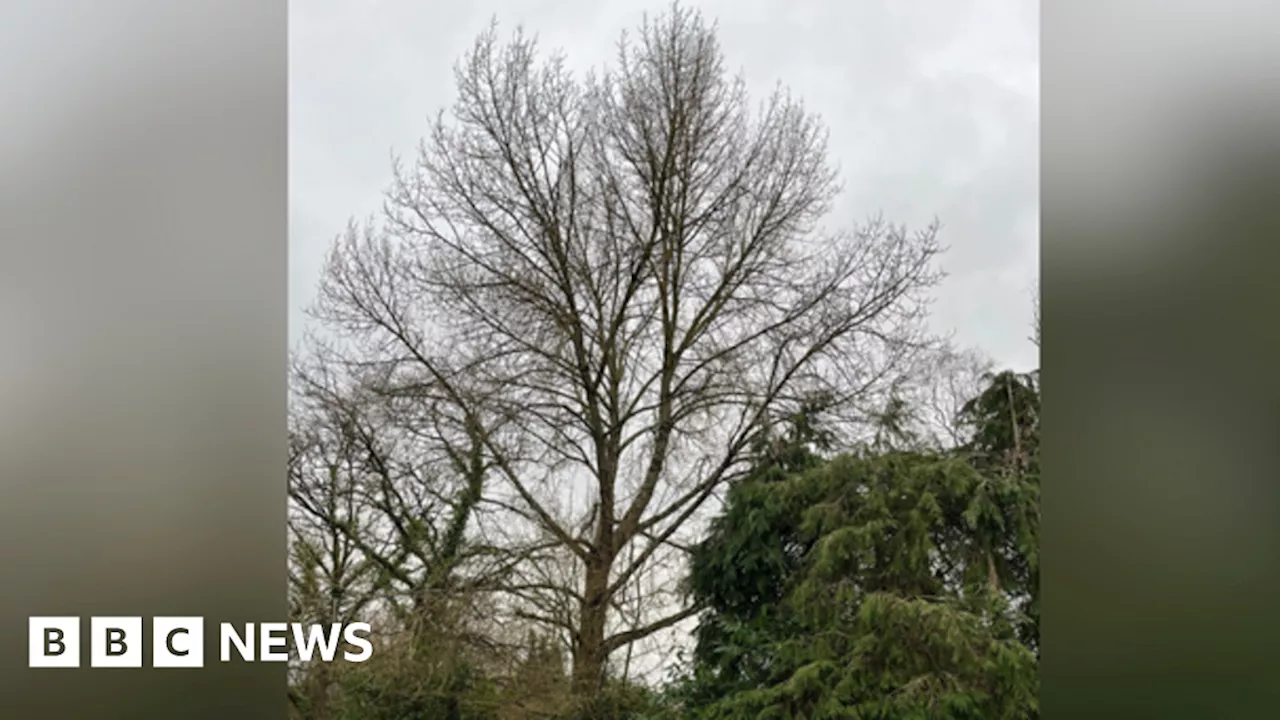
144	339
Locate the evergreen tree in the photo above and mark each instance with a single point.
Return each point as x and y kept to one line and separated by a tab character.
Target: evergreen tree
887	583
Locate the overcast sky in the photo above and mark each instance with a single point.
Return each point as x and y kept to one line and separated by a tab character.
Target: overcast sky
933	108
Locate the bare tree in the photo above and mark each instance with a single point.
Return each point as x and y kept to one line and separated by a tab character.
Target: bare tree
385	501
399	483
1035	337
950	378
330	580
617	281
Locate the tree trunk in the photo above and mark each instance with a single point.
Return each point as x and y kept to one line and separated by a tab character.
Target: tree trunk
321	687
1017	434
590	654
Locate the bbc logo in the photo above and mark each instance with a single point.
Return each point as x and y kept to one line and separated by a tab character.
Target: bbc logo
178	642
116	642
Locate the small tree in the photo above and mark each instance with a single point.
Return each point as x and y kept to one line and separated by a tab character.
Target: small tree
383	506
330	579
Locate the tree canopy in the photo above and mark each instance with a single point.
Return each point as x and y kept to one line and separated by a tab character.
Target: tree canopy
607	331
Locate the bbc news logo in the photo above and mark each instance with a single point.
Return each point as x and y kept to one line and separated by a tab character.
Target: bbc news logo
178	642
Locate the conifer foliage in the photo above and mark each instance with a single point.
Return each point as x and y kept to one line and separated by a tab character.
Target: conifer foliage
884	584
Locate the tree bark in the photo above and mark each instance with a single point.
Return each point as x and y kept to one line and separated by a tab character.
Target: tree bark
590	651
993	577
